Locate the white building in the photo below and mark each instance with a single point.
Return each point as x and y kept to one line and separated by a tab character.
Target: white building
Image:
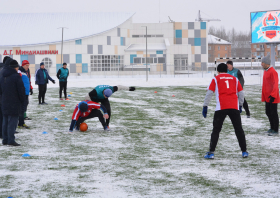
96	42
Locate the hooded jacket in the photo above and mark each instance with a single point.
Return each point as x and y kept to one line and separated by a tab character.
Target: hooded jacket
12	91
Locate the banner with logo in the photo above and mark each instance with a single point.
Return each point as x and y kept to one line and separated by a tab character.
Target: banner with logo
265	27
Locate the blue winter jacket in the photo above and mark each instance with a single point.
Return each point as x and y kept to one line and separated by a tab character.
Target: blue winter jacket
12	91
25	80
40	79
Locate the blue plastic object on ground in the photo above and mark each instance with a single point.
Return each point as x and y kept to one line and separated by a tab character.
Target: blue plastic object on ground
26	155
55	118
60	110
45	132
69	95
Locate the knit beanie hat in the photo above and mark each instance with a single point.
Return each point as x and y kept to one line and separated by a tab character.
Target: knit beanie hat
14	64
5	58
83	106
108	92
222	67
42	64
266	60
25	62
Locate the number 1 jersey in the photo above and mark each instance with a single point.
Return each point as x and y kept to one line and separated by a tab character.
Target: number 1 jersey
226	88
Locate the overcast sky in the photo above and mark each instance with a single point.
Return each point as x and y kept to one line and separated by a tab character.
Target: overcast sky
232	13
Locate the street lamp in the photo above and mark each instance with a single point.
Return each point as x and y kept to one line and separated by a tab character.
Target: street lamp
146	55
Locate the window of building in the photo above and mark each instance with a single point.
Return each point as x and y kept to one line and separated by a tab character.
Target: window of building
219	47
106	62
78	42
150	60
267	46
149	35
209	47
261	46
47	62
159	35
225	47
137	60
255	46
262	54
218	55
135	36
161	59
181	62
225	55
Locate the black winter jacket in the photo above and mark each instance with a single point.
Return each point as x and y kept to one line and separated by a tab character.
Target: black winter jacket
12	91
7	63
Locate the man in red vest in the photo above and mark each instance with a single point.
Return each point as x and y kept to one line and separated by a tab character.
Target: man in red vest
229	98
270	95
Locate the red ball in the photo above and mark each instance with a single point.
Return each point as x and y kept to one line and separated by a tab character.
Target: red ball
83	127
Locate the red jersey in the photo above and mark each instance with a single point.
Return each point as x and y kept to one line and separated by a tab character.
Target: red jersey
226	88
91	105
270	85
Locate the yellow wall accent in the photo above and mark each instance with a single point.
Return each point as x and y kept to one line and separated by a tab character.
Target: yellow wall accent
79	68
160	67
178	25
58	59
128	33
139	52
193	49
185	33
14	50
52	47
32	68
203	33
148	55
116	49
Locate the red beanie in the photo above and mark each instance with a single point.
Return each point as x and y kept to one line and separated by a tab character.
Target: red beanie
25	62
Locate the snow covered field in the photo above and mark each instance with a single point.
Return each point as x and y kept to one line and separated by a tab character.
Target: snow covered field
155	148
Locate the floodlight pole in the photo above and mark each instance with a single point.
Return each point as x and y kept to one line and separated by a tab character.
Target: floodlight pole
146	54
62	43
272	54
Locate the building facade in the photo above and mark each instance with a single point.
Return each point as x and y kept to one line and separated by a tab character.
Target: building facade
98	42
218	48
261	50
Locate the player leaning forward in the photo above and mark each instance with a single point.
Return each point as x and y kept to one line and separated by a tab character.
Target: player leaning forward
101	93
229	97
86	110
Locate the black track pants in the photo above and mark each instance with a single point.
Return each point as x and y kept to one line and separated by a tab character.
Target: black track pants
42	93
218	121
272	114
94	113
246	107
62	86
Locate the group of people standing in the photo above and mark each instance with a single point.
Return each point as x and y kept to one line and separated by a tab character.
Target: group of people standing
228	86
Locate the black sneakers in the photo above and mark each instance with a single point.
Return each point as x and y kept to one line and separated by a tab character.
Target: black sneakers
14	144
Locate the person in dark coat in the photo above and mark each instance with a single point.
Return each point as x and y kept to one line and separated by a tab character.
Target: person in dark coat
42	79
6	63
13	96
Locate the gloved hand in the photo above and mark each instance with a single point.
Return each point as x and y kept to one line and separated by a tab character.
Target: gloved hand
131	88
36	83
31	91
204	111
271	99
240	109
53	81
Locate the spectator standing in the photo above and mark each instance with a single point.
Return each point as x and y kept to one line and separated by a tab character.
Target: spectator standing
42	79
62	75
270	95
25	64
13	96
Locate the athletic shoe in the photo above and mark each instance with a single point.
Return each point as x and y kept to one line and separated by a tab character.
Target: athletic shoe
248	116
61	98
269	131
14	144
27	118
40	104
245	154
67	99
106	128
44	103
209	155
24	126
273	133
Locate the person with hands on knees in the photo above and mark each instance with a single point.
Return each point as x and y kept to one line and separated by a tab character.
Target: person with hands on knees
86	110
270	95
101	93
42	79
229	98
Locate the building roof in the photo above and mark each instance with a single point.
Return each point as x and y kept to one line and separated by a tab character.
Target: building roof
41	28
150	46
215	40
